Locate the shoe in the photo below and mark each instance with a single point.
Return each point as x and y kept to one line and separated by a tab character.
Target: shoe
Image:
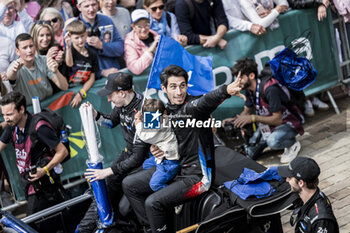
309	111
316	102
290	153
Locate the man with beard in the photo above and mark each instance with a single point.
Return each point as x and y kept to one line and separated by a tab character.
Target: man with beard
315	214
47	153
277	117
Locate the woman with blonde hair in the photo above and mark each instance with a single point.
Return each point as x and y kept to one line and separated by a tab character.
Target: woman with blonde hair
43	38
55	18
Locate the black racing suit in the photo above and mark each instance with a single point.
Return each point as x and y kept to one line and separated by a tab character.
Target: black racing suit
316	216
196	151
128	161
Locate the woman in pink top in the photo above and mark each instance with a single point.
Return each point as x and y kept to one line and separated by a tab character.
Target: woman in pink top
141	43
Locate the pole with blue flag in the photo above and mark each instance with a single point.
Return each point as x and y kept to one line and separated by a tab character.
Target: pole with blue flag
199	69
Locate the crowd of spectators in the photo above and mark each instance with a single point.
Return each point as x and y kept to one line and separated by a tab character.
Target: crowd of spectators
124	36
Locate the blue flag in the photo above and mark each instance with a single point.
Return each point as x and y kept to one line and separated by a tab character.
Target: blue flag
199	69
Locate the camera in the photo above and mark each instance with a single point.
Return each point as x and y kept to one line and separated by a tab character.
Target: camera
32	169
231	131
94	31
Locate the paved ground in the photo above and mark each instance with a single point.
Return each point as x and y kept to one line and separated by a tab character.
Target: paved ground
327	140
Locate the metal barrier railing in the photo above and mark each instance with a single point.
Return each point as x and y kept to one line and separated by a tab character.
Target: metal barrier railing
342	40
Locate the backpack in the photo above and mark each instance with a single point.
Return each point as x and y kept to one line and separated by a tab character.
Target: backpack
56	122
296	98
296	73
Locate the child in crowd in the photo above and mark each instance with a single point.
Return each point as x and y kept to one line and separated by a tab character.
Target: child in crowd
162	137
82	63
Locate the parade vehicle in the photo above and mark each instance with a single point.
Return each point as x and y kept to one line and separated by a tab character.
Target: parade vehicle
218	210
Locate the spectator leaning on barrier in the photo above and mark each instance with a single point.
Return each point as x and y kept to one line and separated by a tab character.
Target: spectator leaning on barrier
119	15
163	22
141	43
196	151
196	21
18	120
119	91
263	12
278	118
321	6
8	26
97	25
314	214
237	21
30	73
82	61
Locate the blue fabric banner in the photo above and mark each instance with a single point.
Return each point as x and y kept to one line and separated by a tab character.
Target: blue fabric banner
199	69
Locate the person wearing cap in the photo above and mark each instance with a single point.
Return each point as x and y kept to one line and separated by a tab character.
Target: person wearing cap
141	43
119	91
315	215
97	25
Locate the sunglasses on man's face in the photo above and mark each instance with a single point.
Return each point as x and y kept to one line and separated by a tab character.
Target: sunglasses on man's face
154	9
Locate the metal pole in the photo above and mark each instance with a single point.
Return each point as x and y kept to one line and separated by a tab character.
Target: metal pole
335	106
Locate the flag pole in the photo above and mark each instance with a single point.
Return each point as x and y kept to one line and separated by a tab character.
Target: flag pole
148	81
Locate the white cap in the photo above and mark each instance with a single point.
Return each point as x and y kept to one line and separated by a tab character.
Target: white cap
80	1
138	14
